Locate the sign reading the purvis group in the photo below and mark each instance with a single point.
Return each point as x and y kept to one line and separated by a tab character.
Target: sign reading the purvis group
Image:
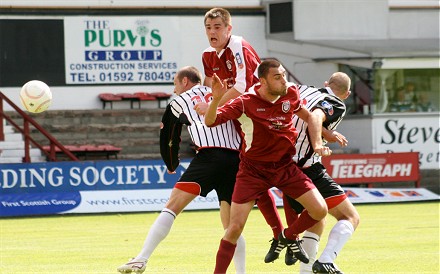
120	50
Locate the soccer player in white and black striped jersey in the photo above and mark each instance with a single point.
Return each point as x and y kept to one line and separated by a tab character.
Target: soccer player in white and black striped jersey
217	149
328	102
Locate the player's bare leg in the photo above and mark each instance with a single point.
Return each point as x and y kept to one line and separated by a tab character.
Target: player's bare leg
239	214
159	230
240	250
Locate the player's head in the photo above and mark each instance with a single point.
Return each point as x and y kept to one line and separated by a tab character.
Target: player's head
340	84
272	77
186	78
218	27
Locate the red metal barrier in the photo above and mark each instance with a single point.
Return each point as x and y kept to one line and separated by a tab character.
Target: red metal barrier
25	131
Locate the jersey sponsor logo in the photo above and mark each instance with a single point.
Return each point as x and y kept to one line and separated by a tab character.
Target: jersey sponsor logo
261	109
239	60
277	122
285	107
328	106
229	65
277	125
196	99
215	69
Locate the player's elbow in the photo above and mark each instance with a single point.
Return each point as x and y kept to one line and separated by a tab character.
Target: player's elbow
209	121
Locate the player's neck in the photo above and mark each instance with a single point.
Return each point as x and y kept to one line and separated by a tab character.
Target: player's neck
267	96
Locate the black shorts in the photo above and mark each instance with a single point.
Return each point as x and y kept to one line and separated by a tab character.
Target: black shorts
323	182
214	169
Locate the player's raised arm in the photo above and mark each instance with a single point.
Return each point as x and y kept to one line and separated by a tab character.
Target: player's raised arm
218	89
231	93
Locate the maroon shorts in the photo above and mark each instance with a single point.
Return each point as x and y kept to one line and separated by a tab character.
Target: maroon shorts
255	177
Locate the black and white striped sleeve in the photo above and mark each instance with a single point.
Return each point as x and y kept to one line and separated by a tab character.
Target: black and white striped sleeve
170	133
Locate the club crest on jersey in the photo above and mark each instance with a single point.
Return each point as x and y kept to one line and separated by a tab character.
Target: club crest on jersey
285	106
239	60
229	65
327	106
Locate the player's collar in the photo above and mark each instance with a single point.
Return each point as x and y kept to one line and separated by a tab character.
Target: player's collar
330	91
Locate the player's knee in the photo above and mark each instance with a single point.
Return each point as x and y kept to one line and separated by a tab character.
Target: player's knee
322	212
355	219
319	211
234	230
348	213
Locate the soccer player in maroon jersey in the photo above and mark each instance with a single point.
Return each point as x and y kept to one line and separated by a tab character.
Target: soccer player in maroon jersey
218	148
233	59
265	113
328	103
229	56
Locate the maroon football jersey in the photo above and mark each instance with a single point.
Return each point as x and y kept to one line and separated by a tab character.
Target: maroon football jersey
237	63
269	133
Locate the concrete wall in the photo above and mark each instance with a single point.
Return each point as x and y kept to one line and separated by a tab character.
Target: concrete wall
407	24
335	20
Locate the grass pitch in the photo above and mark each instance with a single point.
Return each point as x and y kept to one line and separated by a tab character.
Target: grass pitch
391	238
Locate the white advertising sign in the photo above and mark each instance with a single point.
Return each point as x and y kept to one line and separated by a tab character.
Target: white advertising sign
155	199
121	50
409	133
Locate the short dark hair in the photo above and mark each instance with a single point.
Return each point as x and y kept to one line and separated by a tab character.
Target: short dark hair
190	72
263	68
219	12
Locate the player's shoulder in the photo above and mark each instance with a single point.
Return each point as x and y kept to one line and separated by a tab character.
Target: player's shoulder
197	90
252	89
236	43
236	39
292	87
307	88
331	96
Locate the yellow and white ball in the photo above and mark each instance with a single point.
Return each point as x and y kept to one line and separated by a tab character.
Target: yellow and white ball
35	96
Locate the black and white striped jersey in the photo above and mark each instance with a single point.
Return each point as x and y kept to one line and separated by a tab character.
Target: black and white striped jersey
334	109
181	111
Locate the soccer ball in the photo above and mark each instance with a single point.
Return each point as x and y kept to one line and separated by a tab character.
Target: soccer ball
35	96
